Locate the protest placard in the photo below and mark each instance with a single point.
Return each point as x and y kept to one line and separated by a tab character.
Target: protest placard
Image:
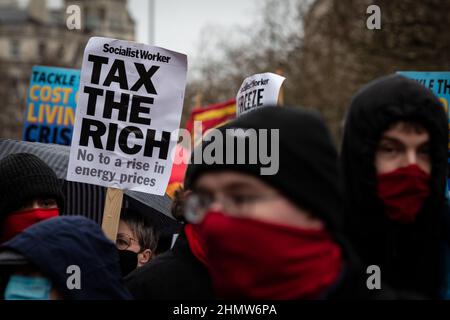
258	91
130	102
51	103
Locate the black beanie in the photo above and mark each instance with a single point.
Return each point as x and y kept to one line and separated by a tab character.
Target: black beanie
307	173
23	177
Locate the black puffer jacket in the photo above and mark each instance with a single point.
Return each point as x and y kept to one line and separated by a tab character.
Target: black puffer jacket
408	255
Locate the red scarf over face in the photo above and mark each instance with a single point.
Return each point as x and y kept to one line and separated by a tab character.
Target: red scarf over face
18	221
250	259
195	242
403	192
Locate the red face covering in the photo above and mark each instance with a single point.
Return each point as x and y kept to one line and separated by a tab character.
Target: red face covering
18	221
250	259
403	192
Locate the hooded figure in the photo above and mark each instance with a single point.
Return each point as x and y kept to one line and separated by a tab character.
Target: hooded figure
277	235
394	220
58	249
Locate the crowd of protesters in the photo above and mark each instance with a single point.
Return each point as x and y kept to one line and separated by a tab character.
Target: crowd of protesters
310	231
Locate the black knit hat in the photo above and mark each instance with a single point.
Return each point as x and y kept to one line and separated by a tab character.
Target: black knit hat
308	171
23	177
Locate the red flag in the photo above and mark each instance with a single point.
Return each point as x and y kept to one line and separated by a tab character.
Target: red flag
210	116
213	115
178	170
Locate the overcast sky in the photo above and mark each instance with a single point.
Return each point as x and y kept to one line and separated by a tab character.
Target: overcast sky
178	23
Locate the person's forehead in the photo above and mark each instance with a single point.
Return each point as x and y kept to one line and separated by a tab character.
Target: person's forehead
124	228
216	181
406	130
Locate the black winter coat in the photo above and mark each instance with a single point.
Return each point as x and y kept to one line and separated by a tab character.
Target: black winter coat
174	275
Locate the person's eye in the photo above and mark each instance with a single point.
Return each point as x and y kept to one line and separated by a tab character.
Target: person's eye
27	205
389	149
47	203
204	200
241	199
121	242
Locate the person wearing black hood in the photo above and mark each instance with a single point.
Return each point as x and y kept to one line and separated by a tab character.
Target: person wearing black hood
65	258
274	235
394	168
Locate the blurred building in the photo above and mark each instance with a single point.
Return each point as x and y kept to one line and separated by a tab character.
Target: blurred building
38	35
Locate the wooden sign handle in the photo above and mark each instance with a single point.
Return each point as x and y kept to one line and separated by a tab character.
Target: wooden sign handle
111	213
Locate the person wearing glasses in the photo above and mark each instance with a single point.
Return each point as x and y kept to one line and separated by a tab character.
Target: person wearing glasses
268	237
136	241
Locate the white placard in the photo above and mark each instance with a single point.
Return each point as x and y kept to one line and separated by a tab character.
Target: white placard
258	90
130	102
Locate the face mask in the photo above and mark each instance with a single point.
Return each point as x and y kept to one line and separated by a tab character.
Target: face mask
16	222
403	192
28	288
250	259
195	242
128	261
